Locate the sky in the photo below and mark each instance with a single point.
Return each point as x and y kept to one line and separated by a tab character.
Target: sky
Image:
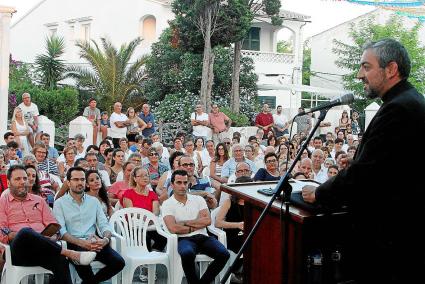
324	13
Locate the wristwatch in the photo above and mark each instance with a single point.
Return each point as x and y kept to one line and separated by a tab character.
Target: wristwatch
5	230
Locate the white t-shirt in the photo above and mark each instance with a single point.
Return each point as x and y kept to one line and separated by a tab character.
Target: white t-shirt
185	212
29	112
280	119
200	130
117	132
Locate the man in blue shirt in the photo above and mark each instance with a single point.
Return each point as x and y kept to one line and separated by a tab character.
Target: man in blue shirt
79	215
52	153
149	118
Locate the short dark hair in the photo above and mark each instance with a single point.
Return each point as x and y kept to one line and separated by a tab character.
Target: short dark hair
7	135
78	161
138	138
178	173
72	169
92	99
333	167
92	147
90	154
389	50
318	138
107	151
339	140
44	134
12	144
268	155
173	156
251	138
14	168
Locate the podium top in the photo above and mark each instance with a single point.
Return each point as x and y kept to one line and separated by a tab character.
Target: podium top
248	192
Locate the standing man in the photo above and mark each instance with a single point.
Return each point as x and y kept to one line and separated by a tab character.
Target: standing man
92	113
149	118
187	216
80	216
200	121
219	123
387	242
264	120
303	122
119	123
30	111
281	122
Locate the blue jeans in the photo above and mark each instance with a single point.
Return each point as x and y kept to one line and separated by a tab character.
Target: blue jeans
189	247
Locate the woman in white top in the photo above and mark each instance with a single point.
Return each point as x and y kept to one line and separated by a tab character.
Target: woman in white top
135	126
21	130
202	152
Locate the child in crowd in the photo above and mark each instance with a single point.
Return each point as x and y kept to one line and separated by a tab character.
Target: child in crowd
104	124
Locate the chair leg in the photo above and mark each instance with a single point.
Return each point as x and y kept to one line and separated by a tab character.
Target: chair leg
39	279
151	273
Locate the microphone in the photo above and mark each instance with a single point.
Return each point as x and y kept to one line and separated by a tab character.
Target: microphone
345	99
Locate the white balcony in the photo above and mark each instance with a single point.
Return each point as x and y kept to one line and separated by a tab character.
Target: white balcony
269	57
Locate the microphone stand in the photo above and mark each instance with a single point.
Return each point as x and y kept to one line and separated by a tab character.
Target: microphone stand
284	186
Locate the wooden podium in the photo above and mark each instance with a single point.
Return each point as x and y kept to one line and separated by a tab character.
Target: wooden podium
263	255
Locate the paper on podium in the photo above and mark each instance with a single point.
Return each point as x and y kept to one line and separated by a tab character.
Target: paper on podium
298	184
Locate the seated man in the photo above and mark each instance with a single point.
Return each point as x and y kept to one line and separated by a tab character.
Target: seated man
187	215
229	167
197	186
22	217
79	215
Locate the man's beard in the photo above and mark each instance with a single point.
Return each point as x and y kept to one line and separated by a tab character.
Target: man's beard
372	94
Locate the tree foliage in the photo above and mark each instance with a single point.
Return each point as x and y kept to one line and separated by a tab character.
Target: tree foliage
50	67
368	30
109	75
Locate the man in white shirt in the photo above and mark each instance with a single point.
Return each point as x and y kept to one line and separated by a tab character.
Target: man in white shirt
320	173
30	111
281	123
92	113
200	120
187	216
119	123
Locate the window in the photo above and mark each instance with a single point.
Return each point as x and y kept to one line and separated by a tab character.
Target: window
85	32
148	29
270	100
252	41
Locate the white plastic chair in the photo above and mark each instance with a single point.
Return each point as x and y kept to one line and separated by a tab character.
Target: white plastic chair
130	226
13	274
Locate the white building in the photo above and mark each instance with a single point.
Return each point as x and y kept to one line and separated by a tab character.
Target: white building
123	21
328	75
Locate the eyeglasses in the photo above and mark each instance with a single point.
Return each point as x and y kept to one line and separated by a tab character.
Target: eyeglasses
271	161
188	165
248	150
42	152
153	154
243	171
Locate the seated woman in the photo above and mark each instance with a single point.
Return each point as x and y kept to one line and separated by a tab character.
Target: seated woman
96	188
230	218
118	188
271	172
141	195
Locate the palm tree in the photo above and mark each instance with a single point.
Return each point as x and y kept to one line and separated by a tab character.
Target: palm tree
49	66
110	75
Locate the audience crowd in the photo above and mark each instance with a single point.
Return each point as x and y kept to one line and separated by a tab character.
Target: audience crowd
131	167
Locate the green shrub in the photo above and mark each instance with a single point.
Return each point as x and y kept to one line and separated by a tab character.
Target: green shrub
238	119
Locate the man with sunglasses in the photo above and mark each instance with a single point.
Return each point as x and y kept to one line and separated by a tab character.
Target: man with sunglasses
187	215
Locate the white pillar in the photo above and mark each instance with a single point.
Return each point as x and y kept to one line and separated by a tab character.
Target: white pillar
370	112
5	16
47	126
81	125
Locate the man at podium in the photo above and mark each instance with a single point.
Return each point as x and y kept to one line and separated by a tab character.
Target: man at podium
388	241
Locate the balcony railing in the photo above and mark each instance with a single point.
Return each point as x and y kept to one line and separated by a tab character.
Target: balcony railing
270	57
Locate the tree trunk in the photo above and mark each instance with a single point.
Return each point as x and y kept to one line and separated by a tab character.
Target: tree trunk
210	82
234	96
206	60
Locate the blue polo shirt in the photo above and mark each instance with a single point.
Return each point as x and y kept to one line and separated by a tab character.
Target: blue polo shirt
148	118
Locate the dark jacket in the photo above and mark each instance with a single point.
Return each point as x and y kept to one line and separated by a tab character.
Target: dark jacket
385	192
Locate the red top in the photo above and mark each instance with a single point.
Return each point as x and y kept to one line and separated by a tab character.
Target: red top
118	188
3	178
139	200
264	119
33	212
